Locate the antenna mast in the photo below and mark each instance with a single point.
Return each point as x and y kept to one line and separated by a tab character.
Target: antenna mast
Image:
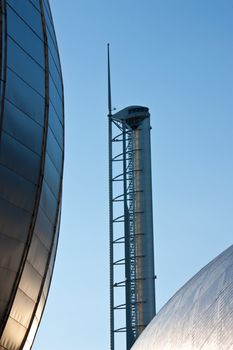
112	326
109	86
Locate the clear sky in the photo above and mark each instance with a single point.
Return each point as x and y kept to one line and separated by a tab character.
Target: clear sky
176	57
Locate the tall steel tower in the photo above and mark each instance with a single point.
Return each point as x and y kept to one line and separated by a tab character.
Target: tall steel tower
132	285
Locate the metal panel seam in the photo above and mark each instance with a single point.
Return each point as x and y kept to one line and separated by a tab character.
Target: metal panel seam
3	50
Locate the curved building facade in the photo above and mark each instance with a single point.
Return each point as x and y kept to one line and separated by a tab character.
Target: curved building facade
31	166
200	314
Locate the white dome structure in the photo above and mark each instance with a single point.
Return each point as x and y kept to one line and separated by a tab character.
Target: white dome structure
199	316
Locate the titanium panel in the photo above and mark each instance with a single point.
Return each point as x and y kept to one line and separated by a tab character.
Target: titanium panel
24	97
22	128
24	35
31	167
29	13
199	315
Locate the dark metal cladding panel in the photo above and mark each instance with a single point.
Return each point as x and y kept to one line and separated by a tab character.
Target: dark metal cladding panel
31	167
19	171
25	67
18	158
16	190
54	151
43	228
19	93
55	126
44	294
13	228
199	316
52	177
22	128
9	244
29	11
24	35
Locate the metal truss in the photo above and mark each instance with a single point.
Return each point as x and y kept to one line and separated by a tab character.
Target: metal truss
122	235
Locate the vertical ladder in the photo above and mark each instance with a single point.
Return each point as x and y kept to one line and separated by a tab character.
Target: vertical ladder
122	236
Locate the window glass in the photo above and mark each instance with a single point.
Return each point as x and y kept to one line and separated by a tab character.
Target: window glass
22	128
29	13
54	151
16	189
25	67
48	203
19	158
55	125
24	36
17	228
24	97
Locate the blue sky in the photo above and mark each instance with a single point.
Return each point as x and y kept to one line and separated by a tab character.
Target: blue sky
176	57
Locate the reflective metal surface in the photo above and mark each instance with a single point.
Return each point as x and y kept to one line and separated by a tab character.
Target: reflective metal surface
200	314
31	166
132	279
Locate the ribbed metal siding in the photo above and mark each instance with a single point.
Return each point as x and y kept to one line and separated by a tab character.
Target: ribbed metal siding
144	225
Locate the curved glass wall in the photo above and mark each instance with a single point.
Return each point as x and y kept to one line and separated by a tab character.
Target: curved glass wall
31	166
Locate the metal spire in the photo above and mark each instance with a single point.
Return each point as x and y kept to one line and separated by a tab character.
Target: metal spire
109	86
112	338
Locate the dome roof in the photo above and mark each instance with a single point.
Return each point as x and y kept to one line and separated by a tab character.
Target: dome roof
31	166
199	315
